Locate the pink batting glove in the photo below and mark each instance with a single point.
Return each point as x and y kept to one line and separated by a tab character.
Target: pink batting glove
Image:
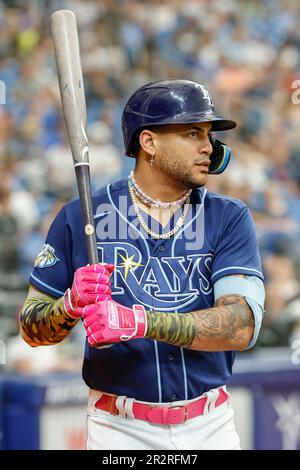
111	322
91	284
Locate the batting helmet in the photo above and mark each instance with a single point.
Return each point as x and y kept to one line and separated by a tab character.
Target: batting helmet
175	102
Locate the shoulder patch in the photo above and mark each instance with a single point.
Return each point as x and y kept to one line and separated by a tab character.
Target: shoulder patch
46	257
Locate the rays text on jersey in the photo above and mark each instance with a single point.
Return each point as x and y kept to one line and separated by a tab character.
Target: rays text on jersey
167	283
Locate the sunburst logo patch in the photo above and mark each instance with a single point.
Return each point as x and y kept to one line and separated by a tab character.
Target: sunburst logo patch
46	258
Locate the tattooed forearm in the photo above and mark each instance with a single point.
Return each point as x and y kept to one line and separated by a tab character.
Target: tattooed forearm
43	320
227	326
230	323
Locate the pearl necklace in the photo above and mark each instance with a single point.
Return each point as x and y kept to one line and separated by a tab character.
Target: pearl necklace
149	201
155	235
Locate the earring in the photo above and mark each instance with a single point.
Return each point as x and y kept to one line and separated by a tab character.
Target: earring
152	159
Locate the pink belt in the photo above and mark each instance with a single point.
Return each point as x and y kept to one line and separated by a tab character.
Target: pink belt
164	415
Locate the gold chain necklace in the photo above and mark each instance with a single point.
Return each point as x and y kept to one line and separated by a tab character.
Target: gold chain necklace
153	234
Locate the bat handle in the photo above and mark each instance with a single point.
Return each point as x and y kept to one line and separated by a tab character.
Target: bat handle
84	188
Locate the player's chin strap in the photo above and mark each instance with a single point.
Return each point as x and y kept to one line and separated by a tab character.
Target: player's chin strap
220	156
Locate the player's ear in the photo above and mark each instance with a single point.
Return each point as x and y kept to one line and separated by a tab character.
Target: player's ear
148	141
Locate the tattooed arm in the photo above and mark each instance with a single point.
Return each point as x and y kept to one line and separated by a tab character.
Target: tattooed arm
229	325
43	320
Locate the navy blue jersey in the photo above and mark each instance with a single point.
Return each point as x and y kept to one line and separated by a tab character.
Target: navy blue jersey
173	275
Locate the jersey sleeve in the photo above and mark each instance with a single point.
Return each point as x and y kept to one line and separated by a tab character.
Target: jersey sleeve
53	272
237	251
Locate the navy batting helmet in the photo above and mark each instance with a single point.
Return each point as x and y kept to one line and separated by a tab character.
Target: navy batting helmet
175	102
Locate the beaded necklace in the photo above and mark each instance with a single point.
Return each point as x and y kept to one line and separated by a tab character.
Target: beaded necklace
149	201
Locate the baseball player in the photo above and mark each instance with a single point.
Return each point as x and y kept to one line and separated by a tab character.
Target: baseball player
179	288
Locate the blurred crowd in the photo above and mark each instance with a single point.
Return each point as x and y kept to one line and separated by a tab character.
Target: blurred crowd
246	52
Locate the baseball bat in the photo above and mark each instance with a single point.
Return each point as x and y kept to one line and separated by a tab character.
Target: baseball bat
67	54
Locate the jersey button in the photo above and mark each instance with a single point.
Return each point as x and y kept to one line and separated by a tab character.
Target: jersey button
173	397
161	248
170	356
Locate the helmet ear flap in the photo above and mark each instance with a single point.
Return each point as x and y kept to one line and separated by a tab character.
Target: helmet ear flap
220	156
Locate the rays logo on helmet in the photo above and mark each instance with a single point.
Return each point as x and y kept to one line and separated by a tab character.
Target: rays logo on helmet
206	94
46	257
